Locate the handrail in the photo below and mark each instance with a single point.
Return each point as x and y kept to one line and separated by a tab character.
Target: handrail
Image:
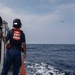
5	29
6	25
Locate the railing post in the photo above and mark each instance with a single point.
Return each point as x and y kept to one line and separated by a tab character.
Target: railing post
3	49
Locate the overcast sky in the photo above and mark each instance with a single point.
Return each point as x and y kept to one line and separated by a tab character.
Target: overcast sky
43	21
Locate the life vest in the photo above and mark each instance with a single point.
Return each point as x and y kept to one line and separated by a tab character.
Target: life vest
16	36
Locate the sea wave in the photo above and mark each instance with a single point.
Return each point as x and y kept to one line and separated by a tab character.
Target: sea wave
44	69
45	59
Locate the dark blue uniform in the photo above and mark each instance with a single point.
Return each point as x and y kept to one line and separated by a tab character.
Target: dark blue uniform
13	55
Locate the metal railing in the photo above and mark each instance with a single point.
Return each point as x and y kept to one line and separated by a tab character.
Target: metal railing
5	29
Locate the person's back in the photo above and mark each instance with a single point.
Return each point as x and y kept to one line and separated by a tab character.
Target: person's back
16	37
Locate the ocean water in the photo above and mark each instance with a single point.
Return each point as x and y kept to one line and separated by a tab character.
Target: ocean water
50	59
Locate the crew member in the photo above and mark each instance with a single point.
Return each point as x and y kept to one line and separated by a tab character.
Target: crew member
16	37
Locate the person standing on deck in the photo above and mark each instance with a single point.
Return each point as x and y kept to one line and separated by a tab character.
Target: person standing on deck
16	37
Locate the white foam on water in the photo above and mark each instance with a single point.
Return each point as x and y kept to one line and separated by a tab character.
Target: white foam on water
41	69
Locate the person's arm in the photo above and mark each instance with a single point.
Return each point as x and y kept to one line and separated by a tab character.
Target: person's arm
6	38
23	39
24	47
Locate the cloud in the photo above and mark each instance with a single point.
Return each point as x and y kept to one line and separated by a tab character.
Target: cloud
43	28
50	27
52	1
5	10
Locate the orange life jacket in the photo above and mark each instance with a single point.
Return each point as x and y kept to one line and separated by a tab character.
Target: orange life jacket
16	36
